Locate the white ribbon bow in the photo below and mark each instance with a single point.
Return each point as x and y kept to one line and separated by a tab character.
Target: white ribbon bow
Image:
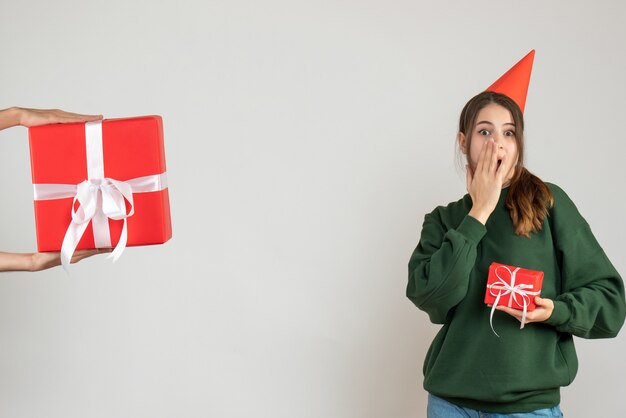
100	199
508	287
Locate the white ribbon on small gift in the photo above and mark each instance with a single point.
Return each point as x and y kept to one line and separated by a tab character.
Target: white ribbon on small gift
504	287
100	198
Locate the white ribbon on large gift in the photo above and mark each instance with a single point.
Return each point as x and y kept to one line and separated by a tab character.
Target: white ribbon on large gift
100	198
504	287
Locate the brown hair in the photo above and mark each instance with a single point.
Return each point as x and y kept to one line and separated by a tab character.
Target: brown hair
529	198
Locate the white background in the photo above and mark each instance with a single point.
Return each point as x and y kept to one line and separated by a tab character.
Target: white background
305	141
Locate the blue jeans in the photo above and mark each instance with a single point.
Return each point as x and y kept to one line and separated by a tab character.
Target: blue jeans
440	408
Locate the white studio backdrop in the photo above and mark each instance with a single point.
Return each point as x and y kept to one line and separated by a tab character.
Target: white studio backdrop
305	141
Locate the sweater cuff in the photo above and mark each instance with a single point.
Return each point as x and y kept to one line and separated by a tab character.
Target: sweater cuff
472	229
560	315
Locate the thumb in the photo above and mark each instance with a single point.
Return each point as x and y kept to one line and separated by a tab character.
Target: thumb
541	301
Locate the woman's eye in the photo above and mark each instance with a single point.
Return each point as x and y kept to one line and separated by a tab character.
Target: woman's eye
509	133
483	132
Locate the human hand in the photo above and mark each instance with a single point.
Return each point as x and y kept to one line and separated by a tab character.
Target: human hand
485	183
542	312
43	261
35	117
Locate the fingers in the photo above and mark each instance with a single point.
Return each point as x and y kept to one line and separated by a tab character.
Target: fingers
488	157
538	315
481	158
493	162
67	117
516	313
81	254
468	176
513	312
544	302
35	117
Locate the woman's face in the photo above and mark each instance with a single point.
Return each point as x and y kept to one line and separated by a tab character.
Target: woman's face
493	121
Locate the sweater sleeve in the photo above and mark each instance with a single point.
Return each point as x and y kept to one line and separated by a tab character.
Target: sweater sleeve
591	303
440	266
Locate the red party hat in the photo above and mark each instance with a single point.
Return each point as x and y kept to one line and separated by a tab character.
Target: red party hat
514	83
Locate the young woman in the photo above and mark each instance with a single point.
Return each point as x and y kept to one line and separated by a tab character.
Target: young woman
32	117
512	217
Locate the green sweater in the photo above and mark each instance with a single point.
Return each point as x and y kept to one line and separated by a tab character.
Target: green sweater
524	369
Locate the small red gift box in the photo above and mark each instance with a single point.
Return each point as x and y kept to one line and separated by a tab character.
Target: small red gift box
100	184
512	286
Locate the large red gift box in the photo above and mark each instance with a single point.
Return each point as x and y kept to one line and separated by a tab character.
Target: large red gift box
512	286
125	154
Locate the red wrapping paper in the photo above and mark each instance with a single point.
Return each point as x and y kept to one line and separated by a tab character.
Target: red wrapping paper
132	147
523	280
